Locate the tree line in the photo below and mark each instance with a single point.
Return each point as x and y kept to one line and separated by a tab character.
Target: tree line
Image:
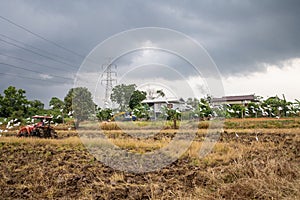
78	103
14	104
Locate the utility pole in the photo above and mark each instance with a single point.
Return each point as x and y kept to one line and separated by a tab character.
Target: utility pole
109	77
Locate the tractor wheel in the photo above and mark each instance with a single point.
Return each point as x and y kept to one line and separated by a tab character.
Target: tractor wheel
38	132
33	133
53	134
23	133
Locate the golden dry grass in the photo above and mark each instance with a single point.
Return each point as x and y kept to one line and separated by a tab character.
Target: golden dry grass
236	168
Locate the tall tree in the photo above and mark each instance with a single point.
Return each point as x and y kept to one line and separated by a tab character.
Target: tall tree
79	101
13	103
136	98
36	107
56	103
68	101
121	94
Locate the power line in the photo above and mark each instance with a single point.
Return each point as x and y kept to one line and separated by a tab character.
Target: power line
38	72
31	51
24	77
41	37
36	48
45	39
28	61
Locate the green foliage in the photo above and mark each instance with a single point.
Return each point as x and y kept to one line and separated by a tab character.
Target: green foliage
14	103
136	98
253	110
121	94
56	103
172	114
276	106
142	111
68	101
36	107
202	108
79	100
221	111
239	111
193	102
57	108
104	115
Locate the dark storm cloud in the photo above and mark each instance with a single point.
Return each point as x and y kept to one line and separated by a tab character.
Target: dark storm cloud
239	35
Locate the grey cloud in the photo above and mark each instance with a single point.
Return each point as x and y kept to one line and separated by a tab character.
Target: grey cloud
239	35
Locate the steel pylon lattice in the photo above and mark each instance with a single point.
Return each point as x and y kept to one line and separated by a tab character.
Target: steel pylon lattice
109	77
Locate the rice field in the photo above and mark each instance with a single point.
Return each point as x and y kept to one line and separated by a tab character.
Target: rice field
252	159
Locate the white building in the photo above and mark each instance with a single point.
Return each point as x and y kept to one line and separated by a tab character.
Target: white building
158	103
241	100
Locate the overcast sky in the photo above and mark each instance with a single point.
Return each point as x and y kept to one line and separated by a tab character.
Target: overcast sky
254	44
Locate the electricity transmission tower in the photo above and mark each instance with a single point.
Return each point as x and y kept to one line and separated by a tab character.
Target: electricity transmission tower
109	77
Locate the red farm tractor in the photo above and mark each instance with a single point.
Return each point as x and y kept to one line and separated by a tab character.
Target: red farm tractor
41	129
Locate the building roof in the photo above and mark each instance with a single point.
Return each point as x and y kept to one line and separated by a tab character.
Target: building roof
234	98
41	117
161	100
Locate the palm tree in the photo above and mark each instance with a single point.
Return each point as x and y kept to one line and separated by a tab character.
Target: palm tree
152	94
173	115
160	93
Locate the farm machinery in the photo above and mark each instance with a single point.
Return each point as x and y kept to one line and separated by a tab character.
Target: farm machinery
41	129
123	116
